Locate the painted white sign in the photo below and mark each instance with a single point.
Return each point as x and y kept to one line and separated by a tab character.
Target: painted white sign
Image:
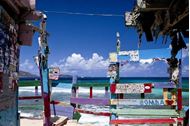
130	88
113	57
146	102
128	19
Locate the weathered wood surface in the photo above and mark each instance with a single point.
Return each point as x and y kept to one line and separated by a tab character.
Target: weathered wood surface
131	88
29	97
144	102
60	103
146	112
144	121
94	101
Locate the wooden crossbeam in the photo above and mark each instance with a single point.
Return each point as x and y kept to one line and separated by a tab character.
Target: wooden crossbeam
29	97
144	121
146	112
29	83
93	101
60	103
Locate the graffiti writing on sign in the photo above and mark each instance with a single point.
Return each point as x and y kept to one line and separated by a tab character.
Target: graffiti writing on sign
144	102
129	88
152	102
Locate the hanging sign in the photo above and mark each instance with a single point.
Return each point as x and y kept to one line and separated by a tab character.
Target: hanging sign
54	73
133	88
113	57
144	102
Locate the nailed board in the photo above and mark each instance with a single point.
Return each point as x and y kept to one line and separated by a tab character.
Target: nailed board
93	101
146	112
63	111
29	83
131	88
54	73
144	121
113	57
60	103
144	102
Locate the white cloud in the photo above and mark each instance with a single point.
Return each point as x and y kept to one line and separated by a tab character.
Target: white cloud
185	52
29	66
77	64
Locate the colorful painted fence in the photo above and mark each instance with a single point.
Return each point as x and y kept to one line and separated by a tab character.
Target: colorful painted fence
77	101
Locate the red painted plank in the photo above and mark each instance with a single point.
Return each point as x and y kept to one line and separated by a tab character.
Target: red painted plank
179	101
90	92
148	88
94	113
144	121
169	102
29	97
112	88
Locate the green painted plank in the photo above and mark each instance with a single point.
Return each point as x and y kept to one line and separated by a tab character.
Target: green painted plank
91	85
145	112
29	83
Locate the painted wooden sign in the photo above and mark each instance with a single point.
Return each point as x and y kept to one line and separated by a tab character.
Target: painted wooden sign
144	112
112	71
129	21
122	53
131	88
54	73
144	102
113	57
143	121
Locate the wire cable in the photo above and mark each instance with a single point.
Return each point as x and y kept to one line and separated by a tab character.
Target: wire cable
84	14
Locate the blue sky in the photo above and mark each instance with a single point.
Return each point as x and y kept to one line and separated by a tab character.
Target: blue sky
81	44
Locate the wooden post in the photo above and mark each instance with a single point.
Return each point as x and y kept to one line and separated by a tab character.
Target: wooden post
91	92
113	95
44	72
74	92
36	90
106	92
179	90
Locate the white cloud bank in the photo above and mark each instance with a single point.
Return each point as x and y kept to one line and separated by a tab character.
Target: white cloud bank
77	64
96	65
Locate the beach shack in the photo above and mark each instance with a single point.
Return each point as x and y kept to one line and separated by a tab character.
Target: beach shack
15	30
